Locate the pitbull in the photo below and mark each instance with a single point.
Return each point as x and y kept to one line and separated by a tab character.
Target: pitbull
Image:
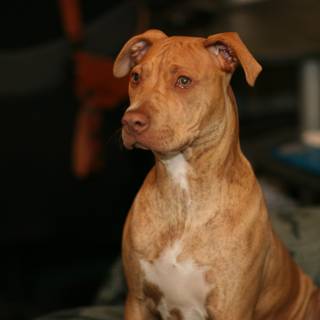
198	242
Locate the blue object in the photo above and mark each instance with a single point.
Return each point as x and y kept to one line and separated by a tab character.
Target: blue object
299	155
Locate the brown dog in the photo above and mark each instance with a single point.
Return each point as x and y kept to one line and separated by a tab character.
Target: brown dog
198	243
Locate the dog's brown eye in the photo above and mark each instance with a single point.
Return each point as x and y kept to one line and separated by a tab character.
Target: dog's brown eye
183	82
135	77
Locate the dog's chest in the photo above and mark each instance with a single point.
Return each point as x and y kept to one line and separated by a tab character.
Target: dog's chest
182	284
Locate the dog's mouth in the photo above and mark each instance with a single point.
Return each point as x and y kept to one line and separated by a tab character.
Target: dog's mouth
131	140
161	142
146	142
140	146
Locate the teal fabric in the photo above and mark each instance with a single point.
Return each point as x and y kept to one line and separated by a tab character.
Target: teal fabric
299	229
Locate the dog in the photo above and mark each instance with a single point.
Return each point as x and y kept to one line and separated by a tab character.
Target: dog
198	242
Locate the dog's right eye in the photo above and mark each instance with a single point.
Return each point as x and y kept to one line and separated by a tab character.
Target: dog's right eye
183	82
135	77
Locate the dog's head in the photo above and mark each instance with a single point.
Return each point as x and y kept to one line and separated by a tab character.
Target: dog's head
177	86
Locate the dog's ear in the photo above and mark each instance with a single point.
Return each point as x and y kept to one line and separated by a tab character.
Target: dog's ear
134	50
230	50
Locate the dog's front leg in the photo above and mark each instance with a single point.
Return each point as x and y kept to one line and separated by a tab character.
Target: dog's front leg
234	304
135	309
233	313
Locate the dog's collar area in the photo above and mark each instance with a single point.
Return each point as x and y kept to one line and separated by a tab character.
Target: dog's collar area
178	167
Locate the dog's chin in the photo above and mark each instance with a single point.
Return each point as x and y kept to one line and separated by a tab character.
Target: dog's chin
134	144
167	150
161	147
140	146
144	142
130	142
154	147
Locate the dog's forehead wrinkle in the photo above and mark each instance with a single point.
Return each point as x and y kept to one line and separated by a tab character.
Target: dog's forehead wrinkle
169	58
172	50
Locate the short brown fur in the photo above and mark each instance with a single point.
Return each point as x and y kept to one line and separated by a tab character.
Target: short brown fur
221	218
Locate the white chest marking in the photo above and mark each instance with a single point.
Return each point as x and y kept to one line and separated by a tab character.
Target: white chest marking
182	283
178	167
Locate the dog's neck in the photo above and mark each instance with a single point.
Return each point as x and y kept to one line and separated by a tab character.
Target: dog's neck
211	155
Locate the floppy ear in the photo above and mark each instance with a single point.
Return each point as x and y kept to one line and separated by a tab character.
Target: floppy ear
230	50
134	50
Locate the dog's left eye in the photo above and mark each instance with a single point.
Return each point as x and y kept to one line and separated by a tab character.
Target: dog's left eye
135	77
183	82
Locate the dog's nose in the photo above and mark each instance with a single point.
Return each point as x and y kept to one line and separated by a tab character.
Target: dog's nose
135	121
